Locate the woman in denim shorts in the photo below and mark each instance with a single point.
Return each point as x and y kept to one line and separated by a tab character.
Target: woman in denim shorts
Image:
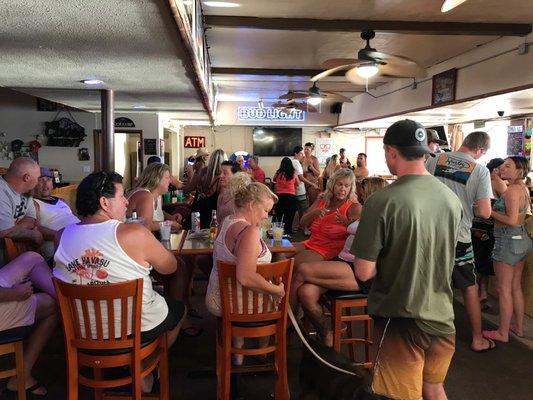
512	244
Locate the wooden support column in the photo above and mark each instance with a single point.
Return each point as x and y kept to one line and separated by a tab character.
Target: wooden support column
108	130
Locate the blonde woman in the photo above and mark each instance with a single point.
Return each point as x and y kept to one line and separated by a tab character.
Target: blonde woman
239	243
145	198
313	279
332	167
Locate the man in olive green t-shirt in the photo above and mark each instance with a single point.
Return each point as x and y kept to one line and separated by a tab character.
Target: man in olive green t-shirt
406	241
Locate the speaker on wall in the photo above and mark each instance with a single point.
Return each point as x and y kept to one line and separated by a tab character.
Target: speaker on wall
336	108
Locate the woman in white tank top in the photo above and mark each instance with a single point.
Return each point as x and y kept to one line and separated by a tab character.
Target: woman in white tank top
238	241
146	197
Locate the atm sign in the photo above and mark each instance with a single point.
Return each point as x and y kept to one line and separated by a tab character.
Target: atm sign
194	142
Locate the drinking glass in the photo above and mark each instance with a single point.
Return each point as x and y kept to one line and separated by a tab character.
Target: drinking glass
164	230
277	231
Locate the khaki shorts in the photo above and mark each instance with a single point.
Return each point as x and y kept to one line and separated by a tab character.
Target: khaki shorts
408	357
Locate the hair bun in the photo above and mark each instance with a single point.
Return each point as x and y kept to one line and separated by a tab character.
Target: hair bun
239	183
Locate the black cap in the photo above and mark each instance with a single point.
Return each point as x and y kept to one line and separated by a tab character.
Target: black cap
495	163
409	136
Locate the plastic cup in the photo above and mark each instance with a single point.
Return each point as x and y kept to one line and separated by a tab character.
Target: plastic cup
164	230
179	196
167	197
277	231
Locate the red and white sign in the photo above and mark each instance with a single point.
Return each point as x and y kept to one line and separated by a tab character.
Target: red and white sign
193	142
324	147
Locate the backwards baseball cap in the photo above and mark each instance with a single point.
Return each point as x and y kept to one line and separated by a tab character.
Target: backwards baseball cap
433	137
409	136
45	172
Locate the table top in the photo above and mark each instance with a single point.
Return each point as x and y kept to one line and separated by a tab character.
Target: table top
179	244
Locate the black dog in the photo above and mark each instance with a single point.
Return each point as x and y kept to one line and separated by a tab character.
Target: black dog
319	381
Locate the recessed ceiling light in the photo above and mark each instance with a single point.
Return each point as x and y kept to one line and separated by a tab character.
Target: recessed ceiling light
224	4
92	81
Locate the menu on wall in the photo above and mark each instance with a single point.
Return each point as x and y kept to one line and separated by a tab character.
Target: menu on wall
515	140
150	147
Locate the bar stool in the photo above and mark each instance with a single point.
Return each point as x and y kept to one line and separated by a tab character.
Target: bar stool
11	343
341	301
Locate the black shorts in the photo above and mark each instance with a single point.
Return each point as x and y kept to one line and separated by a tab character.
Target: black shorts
464	272
176	312
363	286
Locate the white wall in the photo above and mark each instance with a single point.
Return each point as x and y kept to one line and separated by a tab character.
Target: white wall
19	119
480	71
234	138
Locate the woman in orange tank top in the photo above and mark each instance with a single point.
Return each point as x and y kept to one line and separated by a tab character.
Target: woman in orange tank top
328	219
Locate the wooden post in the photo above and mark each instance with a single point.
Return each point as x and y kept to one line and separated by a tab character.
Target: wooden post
108	130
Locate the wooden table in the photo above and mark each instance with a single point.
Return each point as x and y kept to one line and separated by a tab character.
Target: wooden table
180	245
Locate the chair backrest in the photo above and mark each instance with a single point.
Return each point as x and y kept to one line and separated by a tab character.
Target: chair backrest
14	249
261	307
102	306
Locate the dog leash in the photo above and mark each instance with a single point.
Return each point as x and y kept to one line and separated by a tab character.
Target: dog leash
310	348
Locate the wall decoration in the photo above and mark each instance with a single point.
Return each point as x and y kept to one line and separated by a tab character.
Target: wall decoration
83	154
150	147
515	140
65	132
246	113
123	122
444	86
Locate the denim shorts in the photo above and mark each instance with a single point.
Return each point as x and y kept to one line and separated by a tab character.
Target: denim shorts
512	244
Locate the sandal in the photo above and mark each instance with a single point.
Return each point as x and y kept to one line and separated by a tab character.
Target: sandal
192	331
29	391
493	335
492	346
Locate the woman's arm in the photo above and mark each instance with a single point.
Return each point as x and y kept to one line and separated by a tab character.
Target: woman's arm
246	254
143	203
512	204
314	212
353	214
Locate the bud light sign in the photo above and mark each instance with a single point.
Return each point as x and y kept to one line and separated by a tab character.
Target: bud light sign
245	113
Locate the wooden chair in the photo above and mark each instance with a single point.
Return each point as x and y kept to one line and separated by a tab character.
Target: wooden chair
102	347
342	303
252	321
11	343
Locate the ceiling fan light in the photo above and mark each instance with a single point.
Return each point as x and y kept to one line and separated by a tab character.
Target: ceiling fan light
314	101
450	4
367	70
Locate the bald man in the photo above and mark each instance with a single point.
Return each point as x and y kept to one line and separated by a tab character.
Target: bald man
17	211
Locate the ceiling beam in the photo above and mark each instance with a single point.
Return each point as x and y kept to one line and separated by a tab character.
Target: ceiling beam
352	25
270	71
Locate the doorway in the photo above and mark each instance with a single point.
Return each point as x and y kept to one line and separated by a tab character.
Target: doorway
128	154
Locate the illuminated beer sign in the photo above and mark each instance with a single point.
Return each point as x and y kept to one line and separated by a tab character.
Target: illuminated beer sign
245	113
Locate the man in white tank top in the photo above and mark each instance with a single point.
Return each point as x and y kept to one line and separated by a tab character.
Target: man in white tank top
53	214
101	250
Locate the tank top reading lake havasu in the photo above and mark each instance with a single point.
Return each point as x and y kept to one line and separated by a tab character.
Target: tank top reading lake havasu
327	235
91	255
221	252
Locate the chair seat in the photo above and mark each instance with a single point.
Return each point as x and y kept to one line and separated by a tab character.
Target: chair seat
254	324
345	294
111	352
14	334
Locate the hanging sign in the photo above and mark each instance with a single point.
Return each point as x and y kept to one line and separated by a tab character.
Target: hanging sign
324	147
245	113
193	142
124	122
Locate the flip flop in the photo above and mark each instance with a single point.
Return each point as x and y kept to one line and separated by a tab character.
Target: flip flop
492	346
491	335
29	391
192	331
514	332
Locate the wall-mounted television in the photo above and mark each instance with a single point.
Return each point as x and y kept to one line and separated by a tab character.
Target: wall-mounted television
273	141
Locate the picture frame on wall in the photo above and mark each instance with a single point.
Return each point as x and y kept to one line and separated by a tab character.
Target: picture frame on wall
444	87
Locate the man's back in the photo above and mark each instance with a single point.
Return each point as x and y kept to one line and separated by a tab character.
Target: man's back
410	229
469	180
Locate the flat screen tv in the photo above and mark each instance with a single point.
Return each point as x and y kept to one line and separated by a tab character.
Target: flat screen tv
272	141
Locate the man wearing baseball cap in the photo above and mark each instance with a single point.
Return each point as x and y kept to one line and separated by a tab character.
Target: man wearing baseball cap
406	242
434	141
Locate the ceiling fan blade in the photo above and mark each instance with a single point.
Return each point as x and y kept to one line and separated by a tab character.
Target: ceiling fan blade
328	72
450	4
337	62
398	65
335	96
279	104
294	95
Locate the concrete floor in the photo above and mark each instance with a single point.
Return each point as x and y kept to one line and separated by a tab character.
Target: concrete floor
505	373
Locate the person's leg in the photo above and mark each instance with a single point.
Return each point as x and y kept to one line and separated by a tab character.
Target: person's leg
518	299
45	322
504	275
473	311
32	266
433	391
332	275
309	296
438	356
300	257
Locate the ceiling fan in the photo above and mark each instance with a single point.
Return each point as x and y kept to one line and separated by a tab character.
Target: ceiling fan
315	96
291	105
369	63
450	4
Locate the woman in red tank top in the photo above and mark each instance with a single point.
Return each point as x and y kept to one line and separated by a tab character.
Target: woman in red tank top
328	219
